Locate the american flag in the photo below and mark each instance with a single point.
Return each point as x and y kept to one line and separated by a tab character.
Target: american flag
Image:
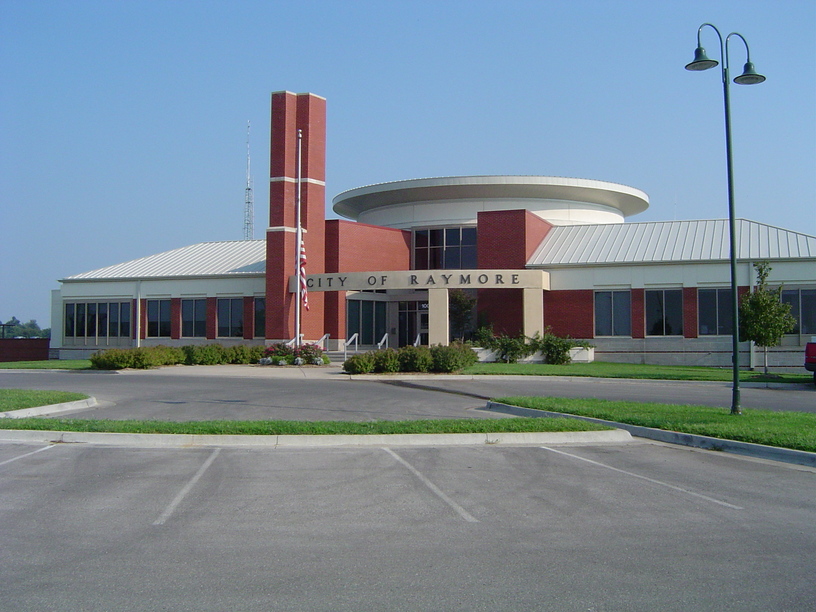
302	274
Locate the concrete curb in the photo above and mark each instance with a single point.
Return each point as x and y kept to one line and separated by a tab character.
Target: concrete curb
759	451
50	409
311	441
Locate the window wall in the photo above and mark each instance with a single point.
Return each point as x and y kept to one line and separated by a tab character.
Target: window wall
803	309
94	322
452	248
158	318
230	317
260	317
664	312
714	317
194	318
613	313
368	319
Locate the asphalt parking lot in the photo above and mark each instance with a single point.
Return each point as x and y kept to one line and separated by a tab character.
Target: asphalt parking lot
635	526
626	526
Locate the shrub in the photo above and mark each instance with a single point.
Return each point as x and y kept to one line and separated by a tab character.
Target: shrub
414	359
554	349
238	353
362	363
484	337
205	354
511	349
451	358
164	355
310	354
386	361
112	359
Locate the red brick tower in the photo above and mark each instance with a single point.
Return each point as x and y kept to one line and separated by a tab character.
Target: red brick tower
290	113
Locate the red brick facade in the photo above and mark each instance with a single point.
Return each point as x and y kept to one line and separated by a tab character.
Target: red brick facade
570	313
506	239
290	113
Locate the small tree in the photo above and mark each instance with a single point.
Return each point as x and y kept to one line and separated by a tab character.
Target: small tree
763	318
461	312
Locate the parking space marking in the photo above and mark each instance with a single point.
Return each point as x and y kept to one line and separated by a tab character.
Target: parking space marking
459	509
646	478
186	489
39	450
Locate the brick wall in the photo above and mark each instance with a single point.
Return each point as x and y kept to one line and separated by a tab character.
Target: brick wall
290	113
359	247
24	349
506	240
570	313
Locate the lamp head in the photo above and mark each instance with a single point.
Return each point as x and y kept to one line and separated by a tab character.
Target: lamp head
701	61
749	76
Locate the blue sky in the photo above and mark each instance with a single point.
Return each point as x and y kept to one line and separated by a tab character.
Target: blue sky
123	123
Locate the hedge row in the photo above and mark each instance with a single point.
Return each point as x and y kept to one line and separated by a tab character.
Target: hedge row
154	356
412	359
510	349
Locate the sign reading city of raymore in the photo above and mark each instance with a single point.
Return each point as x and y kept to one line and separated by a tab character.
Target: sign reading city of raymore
426	279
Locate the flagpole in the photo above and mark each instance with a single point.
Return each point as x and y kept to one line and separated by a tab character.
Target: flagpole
298	240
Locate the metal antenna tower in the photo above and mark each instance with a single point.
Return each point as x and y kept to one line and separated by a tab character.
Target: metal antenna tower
249	203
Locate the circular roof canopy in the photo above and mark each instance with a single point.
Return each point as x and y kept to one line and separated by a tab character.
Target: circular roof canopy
354	202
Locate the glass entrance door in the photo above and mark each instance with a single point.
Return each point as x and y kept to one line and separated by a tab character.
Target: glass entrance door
413	322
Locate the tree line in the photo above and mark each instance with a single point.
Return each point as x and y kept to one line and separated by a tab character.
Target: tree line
14	328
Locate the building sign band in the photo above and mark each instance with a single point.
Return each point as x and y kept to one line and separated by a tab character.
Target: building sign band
426	279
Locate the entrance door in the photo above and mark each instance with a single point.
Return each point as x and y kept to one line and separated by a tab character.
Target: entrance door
413	322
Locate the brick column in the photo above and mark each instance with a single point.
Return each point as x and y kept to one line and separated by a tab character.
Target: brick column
290	113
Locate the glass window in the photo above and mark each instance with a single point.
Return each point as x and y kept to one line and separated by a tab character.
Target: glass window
102	320
231	317
803	309
194	318
90	330
69	320
664	312
613	314
80	320
714	312
124	320
367	318
113	320
260	317
451	248
158	318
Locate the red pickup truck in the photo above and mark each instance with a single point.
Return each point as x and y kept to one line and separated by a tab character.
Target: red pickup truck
810	359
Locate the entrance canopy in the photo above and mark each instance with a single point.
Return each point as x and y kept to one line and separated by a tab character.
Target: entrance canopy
533	283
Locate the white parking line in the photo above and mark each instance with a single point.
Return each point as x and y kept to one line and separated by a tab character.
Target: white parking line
39	450
186	489
459	509
652	480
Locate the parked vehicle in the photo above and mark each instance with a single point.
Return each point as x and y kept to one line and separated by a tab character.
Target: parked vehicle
810	359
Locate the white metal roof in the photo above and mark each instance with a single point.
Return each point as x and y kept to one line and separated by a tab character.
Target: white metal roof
355	202
668	241
205	259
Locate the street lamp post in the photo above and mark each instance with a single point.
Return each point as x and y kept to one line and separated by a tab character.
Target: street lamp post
748	77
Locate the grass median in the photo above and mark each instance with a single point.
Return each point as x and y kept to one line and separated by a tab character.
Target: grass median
50	364
294	428
606	369
17	399
796	430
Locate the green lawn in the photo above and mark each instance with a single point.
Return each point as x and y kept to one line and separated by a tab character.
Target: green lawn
795	430
50	364
15	399
269	428
603	369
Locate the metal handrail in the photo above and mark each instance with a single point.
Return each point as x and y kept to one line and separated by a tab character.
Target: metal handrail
324	338
418	340
346	344
293	340
383	341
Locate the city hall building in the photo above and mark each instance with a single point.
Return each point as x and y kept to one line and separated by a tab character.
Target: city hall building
536	252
